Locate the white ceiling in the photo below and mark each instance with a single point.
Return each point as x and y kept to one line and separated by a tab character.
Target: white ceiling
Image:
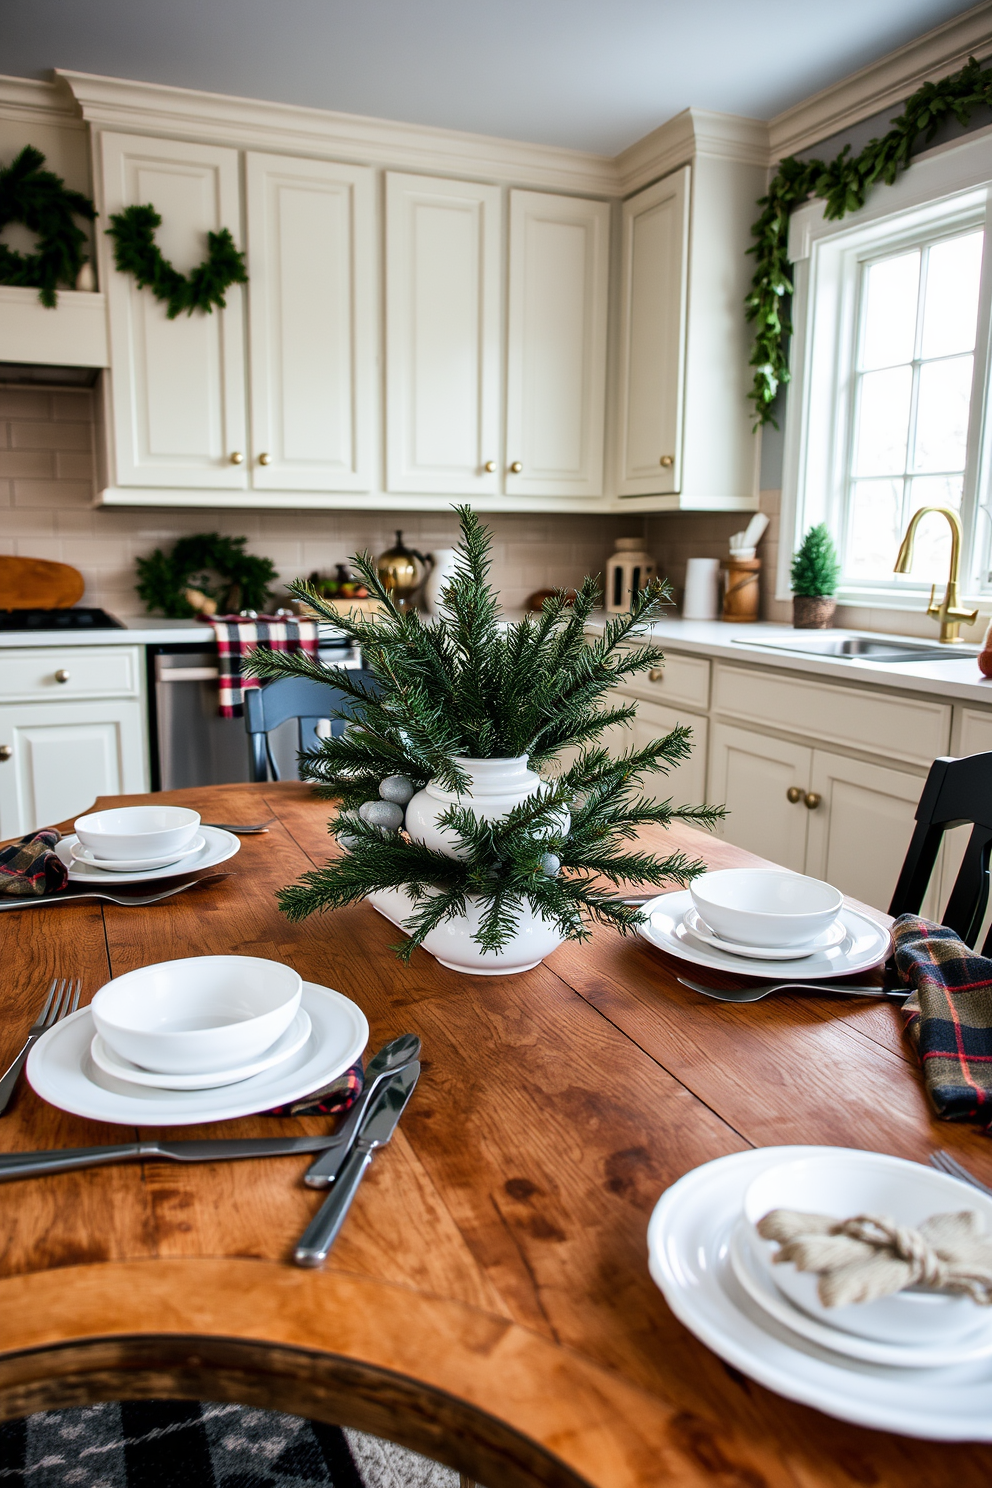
591	74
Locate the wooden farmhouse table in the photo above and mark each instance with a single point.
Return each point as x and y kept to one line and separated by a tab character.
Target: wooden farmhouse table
488	1300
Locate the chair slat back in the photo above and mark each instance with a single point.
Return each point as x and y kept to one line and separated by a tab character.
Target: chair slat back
269	706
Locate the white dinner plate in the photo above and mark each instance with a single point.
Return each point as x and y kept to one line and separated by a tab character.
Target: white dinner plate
754	1278
112	1063
693	921
217	847
688	1256
61	1071
865	945
86	857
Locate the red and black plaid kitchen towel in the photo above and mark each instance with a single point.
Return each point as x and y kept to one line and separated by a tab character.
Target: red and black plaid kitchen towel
236	637
32	866
948	1017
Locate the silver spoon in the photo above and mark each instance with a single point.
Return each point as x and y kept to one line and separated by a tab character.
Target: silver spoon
390	1059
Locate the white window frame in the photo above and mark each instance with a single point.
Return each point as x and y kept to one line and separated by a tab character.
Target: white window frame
944	191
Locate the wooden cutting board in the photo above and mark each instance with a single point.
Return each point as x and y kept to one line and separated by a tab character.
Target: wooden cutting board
35	583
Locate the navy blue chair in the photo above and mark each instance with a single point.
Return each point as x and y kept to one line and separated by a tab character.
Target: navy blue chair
308	702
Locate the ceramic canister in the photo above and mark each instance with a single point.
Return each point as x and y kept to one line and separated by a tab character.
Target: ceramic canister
628	571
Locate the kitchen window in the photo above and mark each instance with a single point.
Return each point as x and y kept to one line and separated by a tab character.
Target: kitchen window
888	410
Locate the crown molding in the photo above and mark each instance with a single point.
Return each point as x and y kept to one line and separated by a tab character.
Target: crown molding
31	101
692	132
883	83
248	123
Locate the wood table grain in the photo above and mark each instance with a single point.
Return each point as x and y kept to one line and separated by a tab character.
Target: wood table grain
488	1301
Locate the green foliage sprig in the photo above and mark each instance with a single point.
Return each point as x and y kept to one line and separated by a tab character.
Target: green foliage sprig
163	578
815	566
40	200
468	684
843	183
136	252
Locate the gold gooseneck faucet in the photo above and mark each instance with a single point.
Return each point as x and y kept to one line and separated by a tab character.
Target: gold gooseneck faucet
949	611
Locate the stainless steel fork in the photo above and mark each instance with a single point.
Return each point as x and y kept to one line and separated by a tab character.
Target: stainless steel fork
63	998
945	1163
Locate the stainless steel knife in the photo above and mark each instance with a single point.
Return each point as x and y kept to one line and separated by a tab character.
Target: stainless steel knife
377	1128
390	1059
65	1159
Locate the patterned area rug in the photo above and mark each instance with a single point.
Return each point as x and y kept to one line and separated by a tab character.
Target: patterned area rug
185	1444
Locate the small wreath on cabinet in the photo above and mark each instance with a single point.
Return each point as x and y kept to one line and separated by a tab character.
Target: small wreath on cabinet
205	573
39	200
136	252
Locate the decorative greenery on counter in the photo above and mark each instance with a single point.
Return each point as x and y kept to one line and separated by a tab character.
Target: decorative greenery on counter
137	253
40	200
466	684
164	578
843	183
815	566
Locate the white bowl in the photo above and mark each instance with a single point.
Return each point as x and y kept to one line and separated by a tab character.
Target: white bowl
198	1015
137	832
851	1183
760	907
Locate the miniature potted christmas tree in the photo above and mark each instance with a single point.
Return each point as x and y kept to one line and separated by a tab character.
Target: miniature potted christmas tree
815	571
444	823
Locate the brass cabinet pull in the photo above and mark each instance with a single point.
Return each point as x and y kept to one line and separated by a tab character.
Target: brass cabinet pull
6	750
265	459
62	675
237	458
667	461
811	800
793	794
489	466
656	674
516	467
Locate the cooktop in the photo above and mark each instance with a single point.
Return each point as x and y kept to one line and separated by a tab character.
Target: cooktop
74	619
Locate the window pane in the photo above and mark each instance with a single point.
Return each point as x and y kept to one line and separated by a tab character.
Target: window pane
932	551
883	422
950	308
891	289
942	414
874	529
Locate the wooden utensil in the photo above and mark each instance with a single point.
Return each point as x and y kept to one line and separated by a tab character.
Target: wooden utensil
36	583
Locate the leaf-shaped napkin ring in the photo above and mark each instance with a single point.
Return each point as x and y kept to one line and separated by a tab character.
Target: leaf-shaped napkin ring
872	1256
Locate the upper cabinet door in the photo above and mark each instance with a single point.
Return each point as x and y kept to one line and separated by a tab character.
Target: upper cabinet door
443	320
311	307
556	364
653	283
178	396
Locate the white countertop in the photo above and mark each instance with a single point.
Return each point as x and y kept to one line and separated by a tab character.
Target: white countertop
956	680
139	630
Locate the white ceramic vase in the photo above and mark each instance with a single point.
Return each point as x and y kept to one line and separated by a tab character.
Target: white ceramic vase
497	785
444	567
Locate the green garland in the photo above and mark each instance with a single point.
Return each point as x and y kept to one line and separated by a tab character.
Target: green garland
39	199
843	183
163	578
137	253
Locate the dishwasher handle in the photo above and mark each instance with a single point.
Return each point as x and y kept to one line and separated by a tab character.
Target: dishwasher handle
185	674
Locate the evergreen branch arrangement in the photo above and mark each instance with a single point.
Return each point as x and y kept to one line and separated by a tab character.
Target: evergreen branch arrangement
843	183
137	253
40	200
465	684
163	578
815	566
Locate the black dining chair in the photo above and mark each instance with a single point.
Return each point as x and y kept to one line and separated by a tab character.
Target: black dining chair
957	793
310	703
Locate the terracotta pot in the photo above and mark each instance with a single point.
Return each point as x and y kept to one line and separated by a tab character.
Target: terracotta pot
812	611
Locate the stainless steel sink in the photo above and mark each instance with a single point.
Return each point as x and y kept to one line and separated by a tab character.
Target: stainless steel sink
862	648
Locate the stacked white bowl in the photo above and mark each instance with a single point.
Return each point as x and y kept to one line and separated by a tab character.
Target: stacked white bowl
765	908
131	838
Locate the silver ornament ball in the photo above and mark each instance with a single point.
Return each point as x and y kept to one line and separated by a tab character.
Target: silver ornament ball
397	788
550	865
383	814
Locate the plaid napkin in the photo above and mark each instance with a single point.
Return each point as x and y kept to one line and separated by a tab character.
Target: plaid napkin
330	1100
31	866
236	637
948	1017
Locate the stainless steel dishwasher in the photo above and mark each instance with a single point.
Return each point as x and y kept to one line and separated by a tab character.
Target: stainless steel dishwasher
190	743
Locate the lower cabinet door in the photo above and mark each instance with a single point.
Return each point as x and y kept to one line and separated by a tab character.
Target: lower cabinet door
753	775
64	755
860	823
685	784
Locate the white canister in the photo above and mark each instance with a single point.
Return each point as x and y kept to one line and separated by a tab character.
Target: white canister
702	589
444	566
628	571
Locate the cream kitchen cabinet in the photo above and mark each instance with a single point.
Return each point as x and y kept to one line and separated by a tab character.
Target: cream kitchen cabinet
685	784
72	727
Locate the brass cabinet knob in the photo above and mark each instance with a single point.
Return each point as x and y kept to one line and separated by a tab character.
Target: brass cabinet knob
265	459
237	458
667	461
516	467
811	800
489	466
61	675
793	794
6	750
656	674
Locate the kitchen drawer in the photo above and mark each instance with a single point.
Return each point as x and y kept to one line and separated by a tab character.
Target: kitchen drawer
911	729
682	679
56	673
972	732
